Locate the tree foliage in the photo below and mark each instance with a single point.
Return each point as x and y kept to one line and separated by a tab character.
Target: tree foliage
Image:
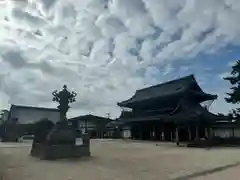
234	79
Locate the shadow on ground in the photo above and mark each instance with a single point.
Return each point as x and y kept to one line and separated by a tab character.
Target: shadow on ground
207	172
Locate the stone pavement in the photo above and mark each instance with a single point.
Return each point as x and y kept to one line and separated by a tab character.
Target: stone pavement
126	160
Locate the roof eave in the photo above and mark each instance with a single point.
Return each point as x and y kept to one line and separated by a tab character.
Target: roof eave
131	103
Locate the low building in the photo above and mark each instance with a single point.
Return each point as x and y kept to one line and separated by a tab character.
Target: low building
94	125
26	116
30	114
226	129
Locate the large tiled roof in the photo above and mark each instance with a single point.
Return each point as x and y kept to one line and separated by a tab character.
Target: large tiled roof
182	115
167	89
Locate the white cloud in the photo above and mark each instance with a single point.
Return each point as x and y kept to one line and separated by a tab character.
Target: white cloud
98	47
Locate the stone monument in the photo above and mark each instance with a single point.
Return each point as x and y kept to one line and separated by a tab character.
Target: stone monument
62	132
60	140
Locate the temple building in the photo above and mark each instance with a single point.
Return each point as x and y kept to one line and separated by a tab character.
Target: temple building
172	111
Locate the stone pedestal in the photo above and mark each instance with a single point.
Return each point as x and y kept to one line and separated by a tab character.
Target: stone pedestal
61	143
61	134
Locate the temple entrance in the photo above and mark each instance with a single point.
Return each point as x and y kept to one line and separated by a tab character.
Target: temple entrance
167	131
153	130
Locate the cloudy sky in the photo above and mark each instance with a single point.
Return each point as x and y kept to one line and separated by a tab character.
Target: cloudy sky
107	49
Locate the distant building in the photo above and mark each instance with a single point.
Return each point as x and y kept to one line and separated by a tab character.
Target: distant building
29	114
94	125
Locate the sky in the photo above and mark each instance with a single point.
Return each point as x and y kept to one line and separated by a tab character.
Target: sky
107	49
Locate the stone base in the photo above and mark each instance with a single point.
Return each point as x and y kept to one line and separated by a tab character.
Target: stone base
37	150
65	151
53	152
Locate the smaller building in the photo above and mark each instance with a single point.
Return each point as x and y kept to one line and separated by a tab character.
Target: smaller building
226	129
31	114
26	116
118	129
94	125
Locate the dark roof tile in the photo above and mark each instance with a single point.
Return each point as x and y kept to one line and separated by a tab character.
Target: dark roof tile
166	89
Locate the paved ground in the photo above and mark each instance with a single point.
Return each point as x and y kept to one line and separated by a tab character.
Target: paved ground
121	160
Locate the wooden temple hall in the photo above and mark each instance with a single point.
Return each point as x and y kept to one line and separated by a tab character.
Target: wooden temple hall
172	111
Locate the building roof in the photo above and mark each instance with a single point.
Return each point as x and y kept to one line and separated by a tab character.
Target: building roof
182	115
33	107
167	89
89	117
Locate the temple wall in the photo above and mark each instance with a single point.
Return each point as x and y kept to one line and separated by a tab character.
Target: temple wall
226	132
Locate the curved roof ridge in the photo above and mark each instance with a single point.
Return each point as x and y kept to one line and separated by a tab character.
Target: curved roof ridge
169	88
189	77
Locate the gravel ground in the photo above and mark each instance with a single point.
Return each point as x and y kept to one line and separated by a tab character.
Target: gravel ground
124	160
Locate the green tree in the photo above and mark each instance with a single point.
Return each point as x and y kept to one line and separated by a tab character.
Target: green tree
1	116
234	79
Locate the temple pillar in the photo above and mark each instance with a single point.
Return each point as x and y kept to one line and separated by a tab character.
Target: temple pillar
206	132
141	135
197	133
210	132
171	136
189	134
177	136
163	136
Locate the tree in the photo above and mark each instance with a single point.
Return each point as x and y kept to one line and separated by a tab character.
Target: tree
1	116
234	95
220	115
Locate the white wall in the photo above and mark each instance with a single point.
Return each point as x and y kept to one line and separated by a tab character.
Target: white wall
33	115
126	133
89	124
224	133
237	133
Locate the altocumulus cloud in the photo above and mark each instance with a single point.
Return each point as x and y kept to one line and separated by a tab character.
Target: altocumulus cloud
104	49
